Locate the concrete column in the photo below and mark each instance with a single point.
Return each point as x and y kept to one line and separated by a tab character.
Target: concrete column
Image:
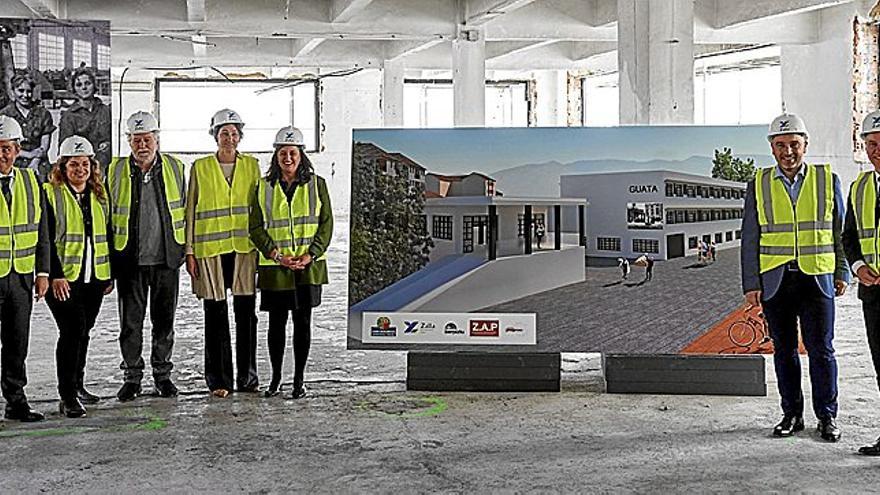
817	86
469	78
552	101
392	94
656	61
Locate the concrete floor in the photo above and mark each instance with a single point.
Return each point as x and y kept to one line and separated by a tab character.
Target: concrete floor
361	431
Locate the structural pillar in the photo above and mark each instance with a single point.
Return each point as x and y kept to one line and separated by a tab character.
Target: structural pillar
493	232
655	57
469	78
527	228
392	93
557	227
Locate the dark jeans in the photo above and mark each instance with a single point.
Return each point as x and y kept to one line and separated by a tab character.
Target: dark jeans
277	339
75	318
870	297
16	302
160	284
218	346
800	299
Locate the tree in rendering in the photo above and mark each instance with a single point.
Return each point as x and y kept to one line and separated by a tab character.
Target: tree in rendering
728	167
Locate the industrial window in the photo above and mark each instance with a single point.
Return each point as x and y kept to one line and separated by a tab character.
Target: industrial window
51	51
728	236
670	217
429	103
692	242
645	246
537	218
20	51
669	190
187	105
103	57
738	234
479	225
718	238
599	101
707	238
82	53
608	243
442	227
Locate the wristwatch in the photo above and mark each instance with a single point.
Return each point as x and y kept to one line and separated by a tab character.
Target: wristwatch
277	257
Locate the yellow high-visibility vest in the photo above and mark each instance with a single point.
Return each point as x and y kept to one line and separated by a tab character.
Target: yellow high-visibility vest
221	214
19	228
863	201
291	225
119	181
70	229
802	231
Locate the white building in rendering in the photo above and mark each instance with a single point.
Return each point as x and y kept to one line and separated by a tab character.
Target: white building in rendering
661	212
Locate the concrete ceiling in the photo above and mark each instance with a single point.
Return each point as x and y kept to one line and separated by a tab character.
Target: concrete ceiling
520	34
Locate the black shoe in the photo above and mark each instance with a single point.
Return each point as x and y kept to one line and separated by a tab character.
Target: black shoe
87	397
273	390
249	389
129	391
298	392
828	430
873	449
789	425
23	413
166	388
72	408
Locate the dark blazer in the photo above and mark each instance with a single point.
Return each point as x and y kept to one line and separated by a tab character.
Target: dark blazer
173	251
768	283
853	248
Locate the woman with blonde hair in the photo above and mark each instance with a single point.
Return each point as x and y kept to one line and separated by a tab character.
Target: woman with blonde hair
80	265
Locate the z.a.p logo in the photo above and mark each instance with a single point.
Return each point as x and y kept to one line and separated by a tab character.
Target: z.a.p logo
484	328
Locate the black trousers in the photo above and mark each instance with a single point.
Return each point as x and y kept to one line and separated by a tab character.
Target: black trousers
16	303
75	318
158	285
277	339
218	346
870	297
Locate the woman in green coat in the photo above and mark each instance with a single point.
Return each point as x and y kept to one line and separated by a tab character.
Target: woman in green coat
291	223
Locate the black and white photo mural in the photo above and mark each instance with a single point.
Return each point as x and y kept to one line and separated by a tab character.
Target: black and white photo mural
56	83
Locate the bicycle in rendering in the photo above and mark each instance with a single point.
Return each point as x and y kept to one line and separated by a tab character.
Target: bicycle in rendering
745	333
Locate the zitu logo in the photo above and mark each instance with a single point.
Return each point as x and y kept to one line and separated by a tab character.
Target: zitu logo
783	125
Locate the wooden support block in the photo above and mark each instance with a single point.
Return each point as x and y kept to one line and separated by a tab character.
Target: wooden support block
682	374
483	371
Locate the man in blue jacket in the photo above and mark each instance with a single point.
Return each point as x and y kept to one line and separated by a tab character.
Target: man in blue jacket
793	265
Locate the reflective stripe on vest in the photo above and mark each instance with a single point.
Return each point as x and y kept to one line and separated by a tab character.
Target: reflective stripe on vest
70	233
221	211
802	231
863	202
119	180
19	229
291	225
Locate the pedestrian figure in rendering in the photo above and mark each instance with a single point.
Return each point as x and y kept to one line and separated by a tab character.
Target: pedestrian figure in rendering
79	223
291	224
623	264
24	249
793	265
712	248
89	117
147	192
649	268
220	255
539	233
860	242
36	126
702	251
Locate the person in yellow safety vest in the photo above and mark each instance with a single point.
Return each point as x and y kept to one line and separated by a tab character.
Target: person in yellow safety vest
291	224
793	266
861	243
147	192
79	228
24	248
221	256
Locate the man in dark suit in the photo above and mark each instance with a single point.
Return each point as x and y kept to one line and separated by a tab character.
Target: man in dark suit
793	265
860	244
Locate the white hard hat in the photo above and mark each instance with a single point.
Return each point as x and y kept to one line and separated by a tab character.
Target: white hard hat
141	123
9	129
871	124
223	117
289	136
787	123
76	146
